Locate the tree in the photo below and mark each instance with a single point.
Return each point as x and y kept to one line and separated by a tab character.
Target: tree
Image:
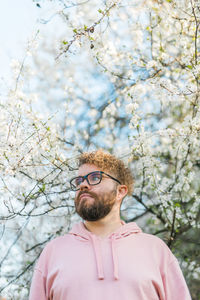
125	77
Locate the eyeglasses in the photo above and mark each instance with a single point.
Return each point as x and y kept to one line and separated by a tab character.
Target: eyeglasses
92	178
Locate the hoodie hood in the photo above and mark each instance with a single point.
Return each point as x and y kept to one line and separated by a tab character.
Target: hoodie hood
79	230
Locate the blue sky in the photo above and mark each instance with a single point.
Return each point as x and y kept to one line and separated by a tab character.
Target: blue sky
18	21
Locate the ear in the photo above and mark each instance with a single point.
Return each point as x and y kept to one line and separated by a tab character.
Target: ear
122	191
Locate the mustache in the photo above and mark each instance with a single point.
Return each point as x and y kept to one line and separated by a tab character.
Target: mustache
86	192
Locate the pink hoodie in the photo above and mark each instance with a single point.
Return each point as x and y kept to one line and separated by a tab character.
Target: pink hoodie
128	265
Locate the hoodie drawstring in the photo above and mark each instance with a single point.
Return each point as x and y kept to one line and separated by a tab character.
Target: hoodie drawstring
98	258
96	245
115	262
81	233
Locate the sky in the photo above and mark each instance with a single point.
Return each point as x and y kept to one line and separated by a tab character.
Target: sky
18	22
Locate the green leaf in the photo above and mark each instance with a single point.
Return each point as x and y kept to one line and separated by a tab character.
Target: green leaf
42	189
6	157
161	49
148	28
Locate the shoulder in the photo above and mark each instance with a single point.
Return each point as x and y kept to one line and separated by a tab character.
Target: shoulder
58	242
54	245
52	250
155	245
153	239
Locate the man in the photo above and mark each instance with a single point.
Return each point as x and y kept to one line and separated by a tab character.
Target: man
104	258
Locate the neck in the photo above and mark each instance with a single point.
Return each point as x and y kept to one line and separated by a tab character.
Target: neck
105	226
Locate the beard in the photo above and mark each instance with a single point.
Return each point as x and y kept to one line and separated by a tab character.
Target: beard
98	209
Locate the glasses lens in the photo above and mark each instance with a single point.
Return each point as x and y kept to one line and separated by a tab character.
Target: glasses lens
94	178
75	183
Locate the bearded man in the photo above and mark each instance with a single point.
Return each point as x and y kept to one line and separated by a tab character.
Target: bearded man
102	258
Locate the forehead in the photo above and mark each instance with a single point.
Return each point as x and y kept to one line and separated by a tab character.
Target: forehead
87	168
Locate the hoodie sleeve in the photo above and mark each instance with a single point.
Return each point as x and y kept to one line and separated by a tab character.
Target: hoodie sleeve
37	291
174	283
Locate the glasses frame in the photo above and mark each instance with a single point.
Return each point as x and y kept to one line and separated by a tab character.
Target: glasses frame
86	178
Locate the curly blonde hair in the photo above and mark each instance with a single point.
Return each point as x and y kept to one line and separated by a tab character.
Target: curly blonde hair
110	163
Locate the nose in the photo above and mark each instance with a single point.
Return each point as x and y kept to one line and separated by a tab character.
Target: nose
84	185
